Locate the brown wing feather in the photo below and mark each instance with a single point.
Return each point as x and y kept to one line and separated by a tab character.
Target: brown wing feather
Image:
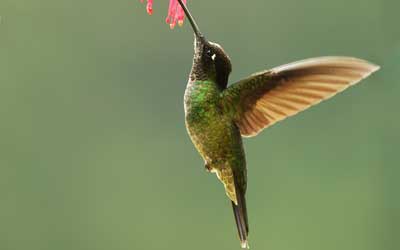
270	96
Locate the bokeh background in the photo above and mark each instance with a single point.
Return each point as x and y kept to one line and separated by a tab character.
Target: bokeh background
94	152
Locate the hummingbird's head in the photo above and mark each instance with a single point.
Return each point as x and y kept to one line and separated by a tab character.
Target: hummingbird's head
210	61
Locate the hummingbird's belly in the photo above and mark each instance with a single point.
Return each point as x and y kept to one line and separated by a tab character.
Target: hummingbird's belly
219	142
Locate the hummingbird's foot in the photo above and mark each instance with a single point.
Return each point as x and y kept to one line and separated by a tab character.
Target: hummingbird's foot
207	167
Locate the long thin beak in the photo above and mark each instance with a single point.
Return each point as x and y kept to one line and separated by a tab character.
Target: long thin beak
196	29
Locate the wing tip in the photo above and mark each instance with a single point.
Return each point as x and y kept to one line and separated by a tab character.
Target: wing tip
367	65
370	69
374	67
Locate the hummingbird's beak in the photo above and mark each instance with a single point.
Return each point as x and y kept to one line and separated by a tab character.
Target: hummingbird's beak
199	36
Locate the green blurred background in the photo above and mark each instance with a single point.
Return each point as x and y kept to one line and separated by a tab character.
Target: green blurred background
94	151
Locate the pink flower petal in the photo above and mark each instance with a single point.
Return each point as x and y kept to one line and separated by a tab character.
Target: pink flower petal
149	6
181	14
175	12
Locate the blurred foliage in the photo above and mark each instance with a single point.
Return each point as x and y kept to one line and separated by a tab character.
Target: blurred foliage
94	151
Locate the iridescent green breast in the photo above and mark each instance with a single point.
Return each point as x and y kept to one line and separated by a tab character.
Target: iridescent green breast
210	129
201	102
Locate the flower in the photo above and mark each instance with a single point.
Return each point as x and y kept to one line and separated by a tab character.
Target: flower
175	12
149	6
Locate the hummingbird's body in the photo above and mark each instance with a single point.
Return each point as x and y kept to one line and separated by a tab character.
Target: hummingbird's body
218	116
214	133
218	140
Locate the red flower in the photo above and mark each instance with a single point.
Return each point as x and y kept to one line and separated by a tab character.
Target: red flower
149	6
175	12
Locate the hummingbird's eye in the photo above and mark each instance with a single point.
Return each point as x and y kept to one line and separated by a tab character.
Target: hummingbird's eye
209	53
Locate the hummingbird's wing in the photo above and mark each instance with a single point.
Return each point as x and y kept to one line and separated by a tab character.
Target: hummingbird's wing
267	97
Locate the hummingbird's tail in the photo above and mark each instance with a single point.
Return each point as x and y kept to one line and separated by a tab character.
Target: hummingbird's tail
240	212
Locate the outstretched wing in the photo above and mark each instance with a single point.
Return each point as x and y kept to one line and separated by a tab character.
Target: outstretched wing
270	96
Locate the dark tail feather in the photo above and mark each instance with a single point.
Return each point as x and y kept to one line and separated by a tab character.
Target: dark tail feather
240	213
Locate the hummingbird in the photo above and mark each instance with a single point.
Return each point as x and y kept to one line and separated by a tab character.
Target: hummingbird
217	117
